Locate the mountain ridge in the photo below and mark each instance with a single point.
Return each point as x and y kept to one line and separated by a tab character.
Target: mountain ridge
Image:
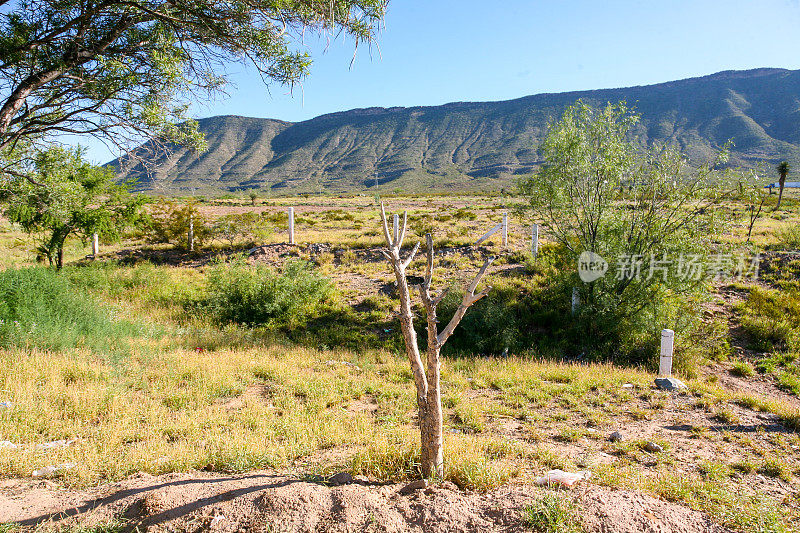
474	145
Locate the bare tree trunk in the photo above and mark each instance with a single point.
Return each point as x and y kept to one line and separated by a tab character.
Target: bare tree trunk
780	195
427	377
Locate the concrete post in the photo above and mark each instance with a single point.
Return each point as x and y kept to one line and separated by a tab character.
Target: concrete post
535	240
505	230
191	233
665	362
291	225
576	301
95	245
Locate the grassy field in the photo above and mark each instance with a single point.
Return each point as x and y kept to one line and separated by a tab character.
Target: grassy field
137	368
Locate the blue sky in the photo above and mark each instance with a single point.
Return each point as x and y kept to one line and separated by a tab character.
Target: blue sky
442	51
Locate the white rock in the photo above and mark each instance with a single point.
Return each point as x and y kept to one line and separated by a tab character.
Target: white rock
559	477
6	405
217	521
52	469
7	444
55	444
670	384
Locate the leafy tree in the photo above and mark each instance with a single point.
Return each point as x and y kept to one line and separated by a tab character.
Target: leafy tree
67	196
127	70
642	209
783	171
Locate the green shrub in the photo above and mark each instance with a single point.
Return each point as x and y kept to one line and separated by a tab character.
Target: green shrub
258	295
771	318
533	315
41	308
789	237
743	369
552	514
168	222
248	227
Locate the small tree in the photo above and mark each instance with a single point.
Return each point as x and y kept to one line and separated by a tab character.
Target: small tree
754	195
66	196
783	171
426	376
253	198
641	208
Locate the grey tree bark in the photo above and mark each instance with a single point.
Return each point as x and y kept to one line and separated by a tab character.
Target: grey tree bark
427	375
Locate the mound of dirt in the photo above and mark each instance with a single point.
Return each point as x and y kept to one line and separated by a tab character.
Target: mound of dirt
263	501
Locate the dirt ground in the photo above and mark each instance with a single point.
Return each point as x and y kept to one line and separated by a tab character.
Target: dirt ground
264	501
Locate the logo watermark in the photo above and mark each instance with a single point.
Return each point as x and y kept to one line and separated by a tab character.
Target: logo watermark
591	267
686	267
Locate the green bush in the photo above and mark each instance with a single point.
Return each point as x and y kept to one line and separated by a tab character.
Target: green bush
168	222
789	238
638	207
247	227
41	308
771	318
258	295
532	315
552	514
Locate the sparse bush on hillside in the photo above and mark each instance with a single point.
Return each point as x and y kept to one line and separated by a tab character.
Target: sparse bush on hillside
258	295
771	318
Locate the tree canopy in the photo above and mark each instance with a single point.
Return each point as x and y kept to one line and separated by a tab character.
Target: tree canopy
68	196
642	212
125	70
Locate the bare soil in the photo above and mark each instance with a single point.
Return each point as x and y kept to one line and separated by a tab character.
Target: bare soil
265	501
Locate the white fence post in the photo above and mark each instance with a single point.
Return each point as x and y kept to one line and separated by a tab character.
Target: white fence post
396	227
667	344
501	226
535	240
191	233
95	245
291	225
576	301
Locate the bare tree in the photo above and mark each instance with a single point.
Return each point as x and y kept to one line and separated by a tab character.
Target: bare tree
426	376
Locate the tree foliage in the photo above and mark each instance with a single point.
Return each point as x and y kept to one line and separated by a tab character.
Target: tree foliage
783	171
124	70
67	196
641	208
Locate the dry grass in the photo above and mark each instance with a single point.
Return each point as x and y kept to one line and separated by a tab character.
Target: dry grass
201	396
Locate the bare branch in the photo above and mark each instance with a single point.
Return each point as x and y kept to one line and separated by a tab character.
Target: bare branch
429	267
436	301
410	256
386	228
469	298
403	230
